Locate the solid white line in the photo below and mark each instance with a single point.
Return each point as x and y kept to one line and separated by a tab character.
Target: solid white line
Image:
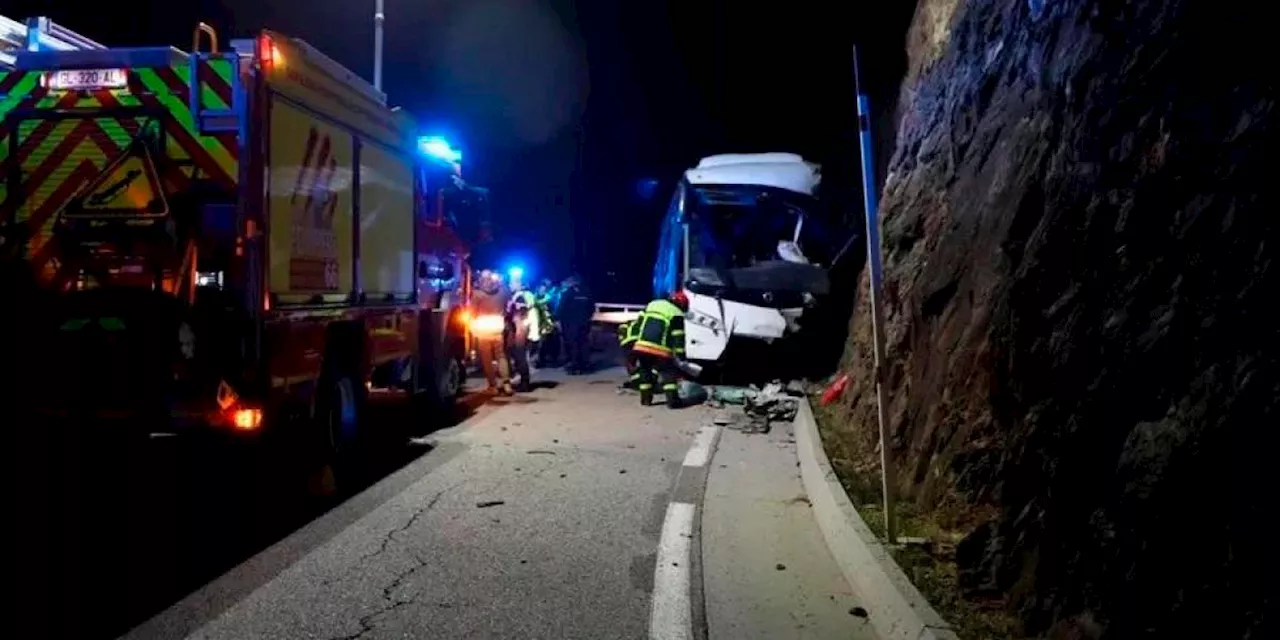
671	617
700	454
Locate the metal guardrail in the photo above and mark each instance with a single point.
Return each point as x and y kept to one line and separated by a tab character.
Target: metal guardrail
609	313
38	34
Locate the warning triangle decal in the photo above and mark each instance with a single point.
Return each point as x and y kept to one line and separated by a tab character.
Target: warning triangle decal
129	186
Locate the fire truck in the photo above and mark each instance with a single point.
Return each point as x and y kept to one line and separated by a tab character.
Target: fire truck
246	242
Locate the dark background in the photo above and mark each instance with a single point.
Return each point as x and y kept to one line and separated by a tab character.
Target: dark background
563	110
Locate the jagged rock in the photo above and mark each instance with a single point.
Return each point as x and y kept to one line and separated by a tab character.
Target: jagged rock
1078	227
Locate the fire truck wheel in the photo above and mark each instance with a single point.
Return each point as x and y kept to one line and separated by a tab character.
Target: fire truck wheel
338	421
451	380
440	385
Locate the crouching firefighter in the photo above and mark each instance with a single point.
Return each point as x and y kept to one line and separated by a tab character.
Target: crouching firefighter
628	333
659	342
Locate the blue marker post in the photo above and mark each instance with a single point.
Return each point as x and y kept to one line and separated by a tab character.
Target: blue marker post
874	262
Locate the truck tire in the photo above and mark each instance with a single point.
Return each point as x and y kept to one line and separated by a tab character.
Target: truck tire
449	383
337	422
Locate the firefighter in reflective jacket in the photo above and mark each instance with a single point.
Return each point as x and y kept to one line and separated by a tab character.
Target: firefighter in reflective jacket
628	333
659	342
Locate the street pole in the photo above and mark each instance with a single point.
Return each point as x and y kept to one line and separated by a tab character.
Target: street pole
379	16
874	263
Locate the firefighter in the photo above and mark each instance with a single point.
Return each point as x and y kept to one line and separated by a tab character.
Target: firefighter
659	343
626	337
546	348
489	300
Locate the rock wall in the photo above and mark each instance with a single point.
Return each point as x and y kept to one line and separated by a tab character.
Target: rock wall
1079	230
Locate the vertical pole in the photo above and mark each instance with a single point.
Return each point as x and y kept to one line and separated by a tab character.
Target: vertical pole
869	191
378	18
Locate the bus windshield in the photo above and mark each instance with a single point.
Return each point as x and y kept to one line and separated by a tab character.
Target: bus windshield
733	227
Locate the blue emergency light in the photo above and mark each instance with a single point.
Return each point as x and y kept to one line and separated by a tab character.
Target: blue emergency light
438	147
515	273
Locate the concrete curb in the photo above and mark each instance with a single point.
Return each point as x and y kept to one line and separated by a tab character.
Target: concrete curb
897	609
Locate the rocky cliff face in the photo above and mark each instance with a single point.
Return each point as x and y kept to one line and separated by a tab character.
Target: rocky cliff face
1079	237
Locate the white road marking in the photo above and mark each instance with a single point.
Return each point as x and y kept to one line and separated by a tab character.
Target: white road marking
700	453
671	617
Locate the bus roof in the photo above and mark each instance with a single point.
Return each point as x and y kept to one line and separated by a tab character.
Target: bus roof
779	170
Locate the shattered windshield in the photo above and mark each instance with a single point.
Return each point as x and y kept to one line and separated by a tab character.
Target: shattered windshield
732	227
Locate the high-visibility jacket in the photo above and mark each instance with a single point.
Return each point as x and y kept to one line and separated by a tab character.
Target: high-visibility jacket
661	331
546	321
628	333
524	315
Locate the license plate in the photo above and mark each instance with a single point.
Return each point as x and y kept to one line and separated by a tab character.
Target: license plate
69	79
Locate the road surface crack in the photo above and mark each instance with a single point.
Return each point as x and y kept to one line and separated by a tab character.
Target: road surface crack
391	536
390	603
408	524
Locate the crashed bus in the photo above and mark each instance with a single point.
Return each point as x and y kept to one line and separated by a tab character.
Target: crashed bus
746	240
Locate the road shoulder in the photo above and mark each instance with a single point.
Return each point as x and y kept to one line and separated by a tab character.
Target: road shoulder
766	569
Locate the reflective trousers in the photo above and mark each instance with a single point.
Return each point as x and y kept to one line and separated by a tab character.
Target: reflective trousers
660	371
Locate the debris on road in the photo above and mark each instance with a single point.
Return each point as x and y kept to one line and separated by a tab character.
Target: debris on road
490	503
780	567
541	452
771	404
761	407
730	395
858	611
691	393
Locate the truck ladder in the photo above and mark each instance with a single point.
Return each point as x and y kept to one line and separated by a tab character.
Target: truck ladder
38	34
213	120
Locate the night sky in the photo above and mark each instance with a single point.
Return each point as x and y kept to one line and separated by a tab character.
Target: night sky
562	109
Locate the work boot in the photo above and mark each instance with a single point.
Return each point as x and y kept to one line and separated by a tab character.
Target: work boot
646	398
507	390
673	400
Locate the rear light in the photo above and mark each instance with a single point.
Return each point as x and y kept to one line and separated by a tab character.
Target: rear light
268	52
240	414
246	419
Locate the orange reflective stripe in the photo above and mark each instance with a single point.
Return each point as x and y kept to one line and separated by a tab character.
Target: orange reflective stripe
651	349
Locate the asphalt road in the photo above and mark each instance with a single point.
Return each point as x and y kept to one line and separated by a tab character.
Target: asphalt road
569	512
539	517
102	536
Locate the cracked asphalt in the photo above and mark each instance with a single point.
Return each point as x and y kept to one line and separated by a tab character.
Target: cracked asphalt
537	518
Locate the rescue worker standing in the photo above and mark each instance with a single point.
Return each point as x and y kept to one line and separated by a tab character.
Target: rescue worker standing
546	355
489	300
576	309
659	342
524	332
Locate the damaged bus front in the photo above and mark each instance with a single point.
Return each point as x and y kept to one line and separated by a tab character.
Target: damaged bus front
745	238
